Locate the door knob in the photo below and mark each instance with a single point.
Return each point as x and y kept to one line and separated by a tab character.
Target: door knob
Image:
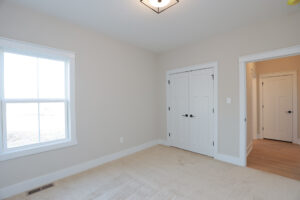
186	115
191	116
290	112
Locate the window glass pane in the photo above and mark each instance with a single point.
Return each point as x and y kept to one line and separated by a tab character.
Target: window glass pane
52	121
20	76
51	78
21	124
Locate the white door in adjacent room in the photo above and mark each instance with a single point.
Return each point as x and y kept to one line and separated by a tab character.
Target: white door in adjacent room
277	108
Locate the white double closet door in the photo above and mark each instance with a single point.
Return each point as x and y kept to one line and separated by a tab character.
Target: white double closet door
191	110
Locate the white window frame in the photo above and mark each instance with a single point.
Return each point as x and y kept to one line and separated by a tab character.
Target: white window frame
18	47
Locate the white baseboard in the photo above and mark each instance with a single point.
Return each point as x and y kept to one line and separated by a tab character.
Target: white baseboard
249	148
255	136
229	159
297	141
259	136
220	157
163	142
52	177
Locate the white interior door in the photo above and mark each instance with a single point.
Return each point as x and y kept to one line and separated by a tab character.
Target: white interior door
191	111
201	111
277	98
179	91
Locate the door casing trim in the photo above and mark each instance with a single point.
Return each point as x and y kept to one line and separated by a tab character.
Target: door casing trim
243	60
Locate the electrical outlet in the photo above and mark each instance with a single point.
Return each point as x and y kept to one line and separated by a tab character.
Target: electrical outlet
121	140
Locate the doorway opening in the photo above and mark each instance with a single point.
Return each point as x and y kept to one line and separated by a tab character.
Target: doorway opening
272	107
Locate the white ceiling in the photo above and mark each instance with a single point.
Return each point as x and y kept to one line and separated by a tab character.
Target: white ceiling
188	21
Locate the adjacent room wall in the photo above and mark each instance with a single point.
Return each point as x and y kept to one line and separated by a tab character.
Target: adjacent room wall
251	108
116	92
226	49
286	64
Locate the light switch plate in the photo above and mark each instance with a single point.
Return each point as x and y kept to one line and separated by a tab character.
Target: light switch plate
228	100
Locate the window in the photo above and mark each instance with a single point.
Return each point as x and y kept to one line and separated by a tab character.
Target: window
37	110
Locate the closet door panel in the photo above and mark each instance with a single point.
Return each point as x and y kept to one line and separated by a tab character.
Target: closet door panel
179	90
201	111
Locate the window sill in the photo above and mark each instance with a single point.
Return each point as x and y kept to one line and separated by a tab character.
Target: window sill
36	149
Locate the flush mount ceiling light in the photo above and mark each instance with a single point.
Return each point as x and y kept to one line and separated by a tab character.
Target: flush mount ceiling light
159	6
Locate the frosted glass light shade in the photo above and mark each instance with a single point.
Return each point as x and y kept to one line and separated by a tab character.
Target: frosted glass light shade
159	3
159	6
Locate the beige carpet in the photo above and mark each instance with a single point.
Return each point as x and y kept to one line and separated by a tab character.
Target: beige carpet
169	173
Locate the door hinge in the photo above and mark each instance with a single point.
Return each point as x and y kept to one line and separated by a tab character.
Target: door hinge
169	82
263	128
262	83
169	134
263	106
213	76
169	108
245	119
213	143
213	110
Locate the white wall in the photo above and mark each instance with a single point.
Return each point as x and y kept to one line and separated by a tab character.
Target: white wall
226	49
116	92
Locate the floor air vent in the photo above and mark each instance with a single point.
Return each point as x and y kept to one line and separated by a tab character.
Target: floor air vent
40	189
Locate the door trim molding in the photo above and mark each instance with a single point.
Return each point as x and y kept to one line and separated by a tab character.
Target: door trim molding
211	65
295	97
291	51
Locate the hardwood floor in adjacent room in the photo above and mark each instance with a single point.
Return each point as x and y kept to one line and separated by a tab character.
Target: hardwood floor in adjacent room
276	157
161	173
